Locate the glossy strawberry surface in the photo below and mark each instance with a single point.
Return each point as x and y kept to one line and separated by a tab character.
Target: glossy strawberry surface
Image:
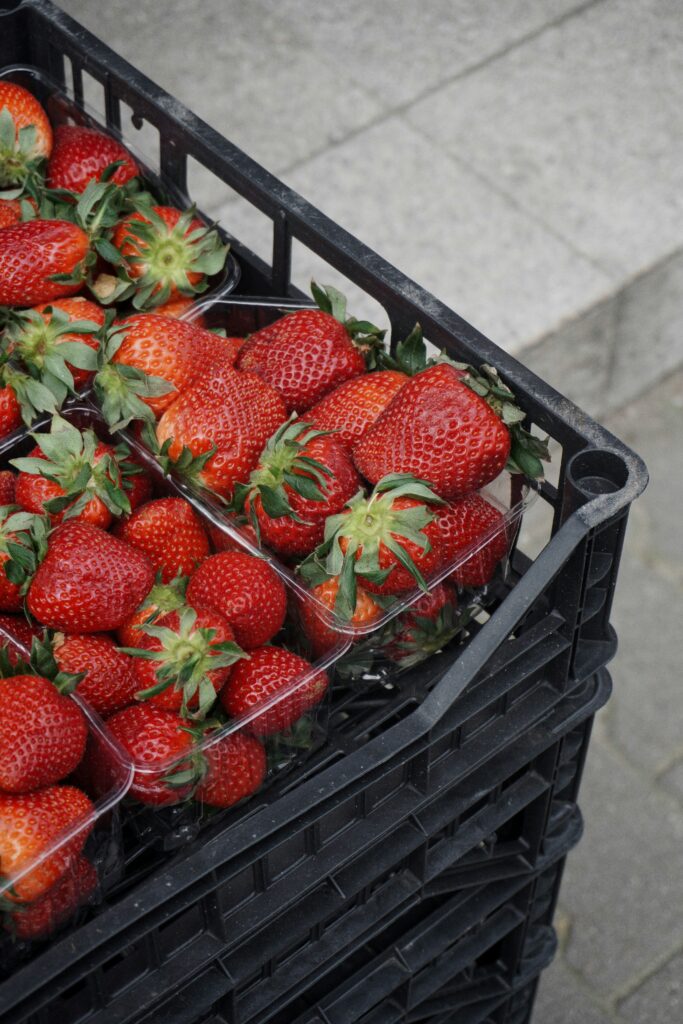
80	155
472	523
32	252
38	920
157	741
109	683
354	406
236	766
271	671
170	533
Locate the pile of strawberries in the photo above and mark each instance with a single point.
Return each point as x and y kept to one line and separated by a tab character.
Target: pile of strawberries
359	469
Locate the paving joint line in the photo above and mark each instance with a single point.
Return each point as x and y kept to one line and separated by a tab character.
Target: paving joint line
604	1004
638	980
651	780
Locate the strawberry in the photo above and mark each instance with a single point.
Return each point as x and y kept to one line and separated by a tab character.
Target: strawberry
236	766
41	260
306	354
10	409
246	591
89	581
108	682
389	541
58	342
12	211
42	733
273	671
32	823
71	474
170	533
16	542
8	481
302	477
179	307
160	741
25	135
320	634
81	155
156	347
165	254
233	413
162	598
472	524
16	637
223	541
355	405
425	628
183	659
38	920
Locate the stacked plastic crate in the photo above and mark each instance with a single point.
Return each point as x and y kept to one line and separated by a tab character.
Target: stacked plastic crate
408	869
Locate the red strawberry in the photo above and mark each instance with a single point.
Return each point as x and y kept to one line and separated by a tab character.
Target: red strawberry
89	581
355	405
321	635
38	337
25	133
302	477
16	636
236	766
109	683
38	920
8	481
162	598
42	734
30	824
71	474
234	412
167	253
309	352
10	410
183	659
425	628
271	671
10	212
80	155
179	307
33	253
472	523
179	352
438	429
170	533
389	541
246	591
223	541
158	742
137	485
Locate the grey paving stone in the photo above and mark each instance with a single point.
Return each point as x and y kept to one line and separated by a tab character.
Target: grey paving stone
673	780
560	999
622	883
583	126
660	999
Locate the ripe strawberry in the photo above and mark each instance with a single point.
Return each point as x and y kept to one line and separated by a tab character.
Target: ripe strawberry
42	733
81	155
109	682
425	628
302	477
309	352
246	591
179	307
321	635
16	637
8	481
58	342
30	824
11	212
89	581
162	598
71	474
38	920
166	253
271	671
235	413
355	405
236	766
222	541
41	260
25	134
468	524
10	409
389	541
179	352
170	533
160	746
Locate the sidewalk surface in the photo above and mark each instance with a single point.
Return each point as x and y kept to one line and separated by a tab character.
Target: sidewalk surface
523	161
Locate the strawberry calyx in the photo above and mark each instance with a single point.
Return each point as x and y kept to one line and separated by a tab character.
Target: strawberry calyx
365	335
42	662
23	537
186	657
33	396
71	461
527	452
163	598
284	464
167	258
18	160
35	341
119	388
418	635
353	539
